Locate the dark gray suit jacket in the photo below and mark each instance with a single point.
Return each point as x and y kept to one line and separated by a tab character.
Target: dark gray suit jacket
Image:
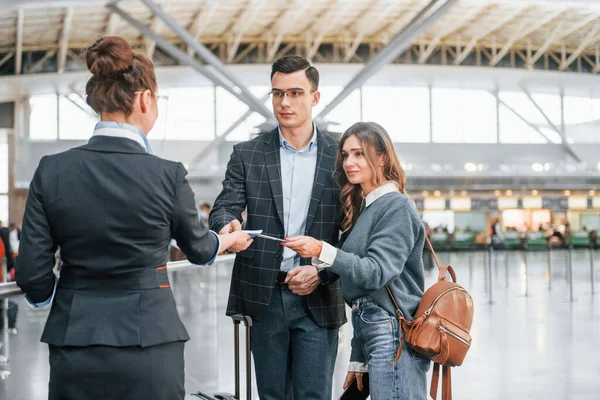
112	209
253	180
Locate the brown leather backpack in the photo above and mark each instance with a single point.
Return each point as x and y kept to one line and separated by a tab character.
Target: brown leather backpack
440	329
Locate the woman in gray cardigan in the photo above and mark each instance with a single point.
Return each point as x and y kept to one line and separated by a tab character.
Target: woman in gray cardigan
382	245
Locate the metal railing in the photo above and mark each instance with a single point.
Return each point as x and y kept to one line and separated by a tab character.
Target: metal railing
10	289
550	251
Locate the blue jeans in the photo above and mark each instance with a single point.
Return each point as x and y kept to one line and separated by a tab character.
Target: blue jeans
294	358
378	331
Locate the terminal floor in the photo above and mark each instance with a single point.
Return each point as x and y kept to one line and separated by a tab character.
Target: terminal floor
539	346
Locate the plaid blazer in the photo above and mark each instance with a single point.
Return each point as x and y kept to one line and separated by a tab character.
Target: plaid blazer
253	180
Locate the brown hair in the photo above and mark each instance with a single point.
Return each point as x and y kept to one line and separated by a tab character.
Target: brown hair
118	72
375	141
290	64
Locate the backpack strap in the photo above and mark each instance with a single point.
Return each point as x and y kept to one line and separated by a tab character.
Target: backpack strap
435	380
443	269
401	322
446	382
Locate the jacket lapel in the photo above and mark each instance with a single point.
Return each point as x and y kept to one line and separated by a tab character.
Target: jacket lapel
322	173
273	163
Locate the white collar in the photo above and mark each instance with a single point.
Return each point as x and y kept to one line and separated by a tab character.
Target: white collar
121	133
386	188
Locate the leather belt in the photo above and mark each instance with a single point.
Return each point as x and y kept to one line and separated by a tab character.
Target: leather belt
149	278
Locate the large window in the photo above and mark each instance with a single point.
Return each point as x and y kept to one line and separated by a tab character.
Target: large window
4	209
3	164
43	120
480	122
3	177
189	114
230	109
410	114
76	119
402	111
514	130
463	116
582	119
345	114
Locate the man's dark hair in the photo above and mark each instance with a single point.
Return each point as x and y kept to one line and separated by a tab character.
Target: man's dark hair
290	64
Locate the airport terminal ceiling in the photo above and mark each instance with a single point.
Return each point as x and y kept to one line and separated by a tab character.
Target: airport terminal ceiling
46	36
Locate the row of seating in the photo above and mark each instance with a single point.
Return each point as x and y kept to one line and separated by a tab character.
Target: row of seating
465	241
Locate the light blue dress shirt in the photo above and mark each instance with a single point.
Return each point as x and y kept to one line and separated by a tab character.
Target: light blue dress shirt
297	178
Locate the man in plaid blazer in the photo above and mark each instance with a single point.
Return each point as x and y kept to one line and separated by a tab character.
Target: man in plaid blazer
285	180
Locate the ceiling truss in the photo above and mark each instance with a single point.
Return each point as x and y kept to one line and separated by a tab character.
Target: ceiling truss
557	36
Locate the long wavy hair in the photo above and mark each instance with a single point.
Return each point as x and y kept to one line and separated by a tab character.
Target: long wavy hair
375	141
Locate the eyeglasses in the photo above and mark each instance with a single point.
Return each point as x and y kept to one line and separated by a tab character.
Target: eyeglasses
158	96
291	93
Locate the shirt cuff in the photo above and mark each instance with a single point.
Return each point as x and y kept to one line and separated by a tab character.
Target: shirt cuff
214	257
327	256
358	367
44	305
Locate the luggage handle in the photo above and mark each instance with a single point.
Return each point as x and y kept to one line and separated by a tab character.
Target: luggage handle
247	320
237	318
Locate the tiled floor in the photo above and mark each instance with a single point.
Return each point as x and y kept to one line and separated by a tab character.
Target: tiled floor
540	346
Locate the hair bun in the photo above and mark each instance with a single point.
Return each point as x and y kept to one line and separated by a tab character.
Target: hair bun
109	57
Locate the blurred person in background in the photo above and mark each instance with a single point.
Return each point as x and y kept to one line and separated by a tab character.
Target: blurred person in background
112	207
204	211
568	235
8	250
15	238
496	233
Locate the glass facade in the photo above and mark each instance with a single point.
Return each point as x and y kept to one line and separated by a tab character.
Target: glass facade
410	114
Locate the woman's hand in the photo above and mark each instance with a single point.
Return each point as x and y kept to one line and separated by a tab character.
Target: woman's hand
305	246
350	376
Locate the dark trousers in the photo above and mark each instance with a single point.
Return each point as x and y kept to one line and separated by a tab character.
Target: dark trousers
294	358
117	373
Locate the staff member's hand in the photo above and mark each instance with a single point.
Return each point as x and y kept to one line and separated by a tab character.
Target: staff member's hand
237	244
235	241
303	280
350	376
305	246
233	226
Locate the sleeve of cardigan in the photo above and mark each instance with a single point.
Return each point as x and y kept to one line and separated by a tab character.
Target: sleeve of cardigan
390	243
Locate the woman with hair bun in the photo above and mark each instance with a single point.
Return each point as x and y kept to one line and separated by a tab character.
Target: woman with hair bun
112	208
